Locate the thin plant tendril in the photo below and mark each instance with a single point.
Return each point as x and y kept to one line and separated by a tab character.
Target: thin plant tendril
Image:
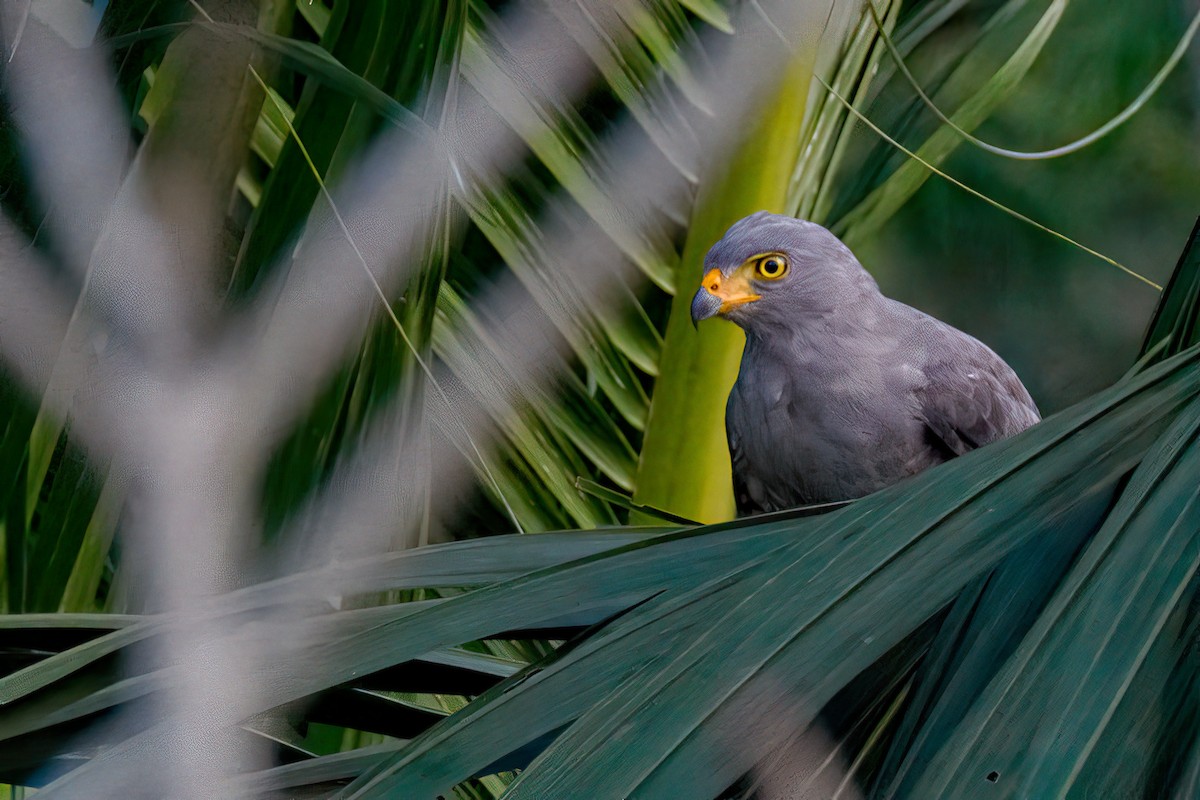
981	195
1120	119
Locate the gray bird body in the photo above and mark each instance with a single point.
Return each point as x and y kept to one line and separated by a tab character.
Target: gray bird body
842	391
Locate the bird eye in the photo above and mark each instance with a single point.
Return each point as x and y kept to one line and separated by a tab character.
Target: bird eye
771	267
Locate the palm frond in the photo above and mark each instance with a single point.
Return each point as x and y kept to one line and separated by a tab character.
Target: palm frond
928	625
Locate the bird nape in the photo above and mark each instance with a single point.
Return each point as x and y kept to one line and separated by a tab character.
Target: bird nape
841	391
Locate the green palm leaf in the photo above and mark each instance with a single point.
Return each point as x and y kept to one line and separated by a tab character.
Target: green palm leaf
927	623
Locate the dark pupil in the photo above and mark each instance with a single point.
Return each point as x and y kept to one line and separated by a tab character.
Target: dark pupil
771	266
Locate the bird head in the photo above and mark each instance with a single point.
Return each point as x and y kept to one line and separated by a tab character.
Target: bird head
769	270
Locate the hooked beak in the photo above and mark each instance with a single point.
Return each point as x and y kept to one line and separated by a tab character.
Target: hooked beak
719	294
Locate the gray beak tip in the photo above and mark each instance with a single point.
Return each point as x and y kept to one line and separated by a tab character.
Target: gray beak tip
704	305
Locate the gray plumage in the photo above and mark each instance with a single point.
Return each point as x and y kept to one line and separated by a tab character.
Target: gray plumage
843	391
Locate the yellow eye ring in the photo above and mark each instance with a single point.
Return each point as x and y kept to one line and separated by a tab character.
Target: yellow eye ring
771	266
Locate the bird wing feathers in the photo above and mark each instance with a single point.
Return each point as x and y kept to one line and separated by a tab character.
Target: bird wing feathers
972	398
737	458
858	411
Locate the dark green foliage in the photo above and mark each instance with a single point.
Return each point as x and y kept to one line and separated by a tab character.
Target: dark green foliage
45	521
758	624
1021	620
364	43
123	18
1175	325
